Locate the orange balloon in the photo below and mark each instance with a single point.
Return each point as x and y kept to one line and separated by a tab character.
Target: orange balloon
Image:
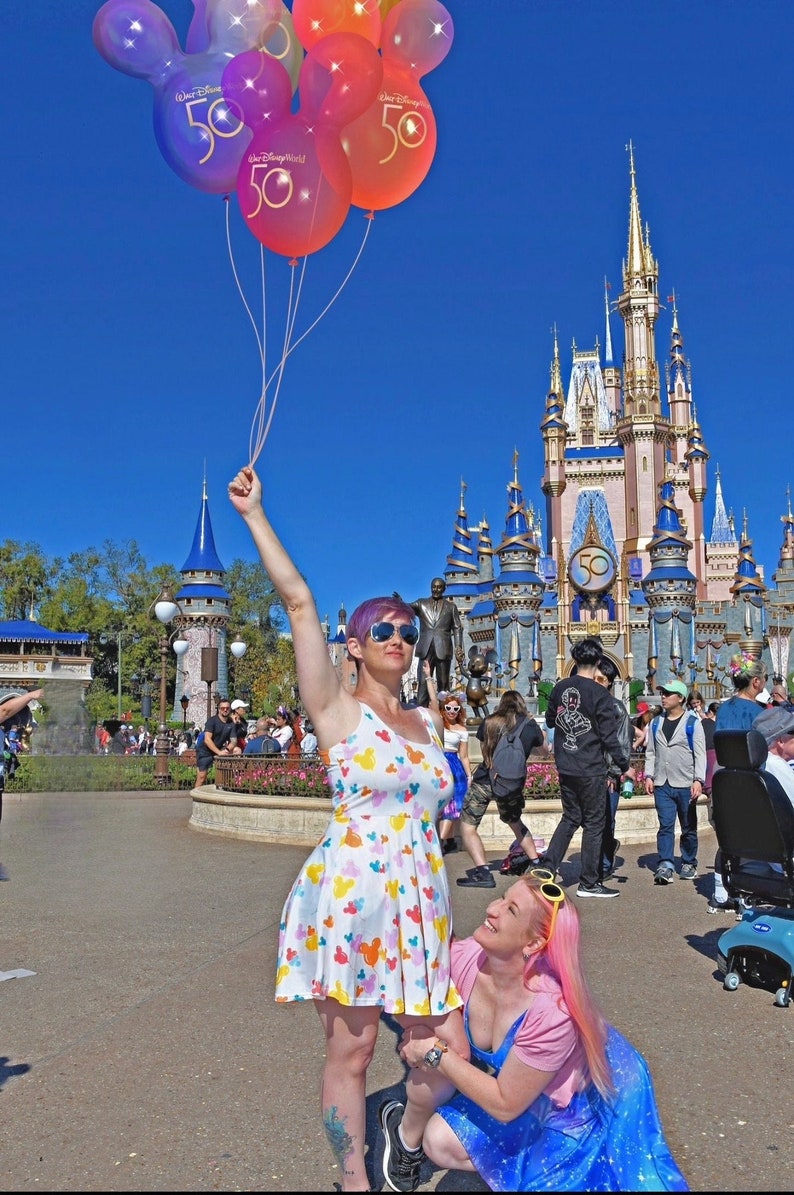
392	146
315	19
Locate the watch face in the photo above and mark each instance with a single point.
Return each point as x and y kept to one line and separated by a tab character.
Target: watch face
433	1056
592	569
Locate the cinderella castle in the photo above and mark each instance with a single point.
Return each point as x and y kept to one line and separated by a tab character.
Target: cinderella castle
623	550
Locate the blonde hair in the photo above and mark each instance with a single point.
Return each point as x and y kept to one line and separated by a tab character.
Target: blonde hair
561	956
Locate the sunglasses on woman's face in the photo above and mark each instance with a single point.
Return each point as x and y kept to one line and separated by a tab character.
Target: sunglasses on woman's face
382	632
550	891
452	709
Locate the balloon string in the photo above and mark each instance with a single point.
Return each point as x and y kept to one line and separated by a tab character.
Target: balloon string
289	325
260	426
341	287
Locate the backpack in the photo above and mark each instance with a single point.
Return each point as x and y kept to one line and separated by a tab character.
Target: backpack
508	770
199	739
691	719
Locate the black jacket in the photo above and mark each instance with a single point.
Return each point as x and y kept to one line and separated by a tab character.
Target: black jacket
586	728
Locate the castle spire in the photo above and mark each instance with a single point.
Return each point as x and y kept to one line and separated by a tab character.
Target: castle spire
608	339
556	387
461	558
721	529
203	557
635	257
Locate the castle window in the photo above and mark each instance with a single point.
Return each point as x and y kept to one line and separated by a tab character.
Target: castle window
645	464
633	517
587	436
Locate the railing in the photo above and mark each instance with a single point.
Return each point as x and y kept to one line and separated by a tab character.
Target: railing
273	775
306	776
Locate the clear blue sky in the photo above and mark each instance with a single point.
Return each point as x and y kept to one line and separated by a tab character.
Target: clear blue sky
129	363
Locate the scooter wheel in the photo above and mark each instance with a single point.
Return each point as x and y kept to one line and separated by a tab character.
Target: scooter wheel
731	981
782	997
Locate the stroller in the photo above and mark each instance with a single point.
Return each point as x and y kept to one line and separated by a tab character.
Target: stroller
754	822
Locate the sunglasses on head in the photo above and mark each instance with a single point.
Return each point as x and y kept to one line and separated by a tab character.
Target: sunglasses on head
551	891
382	632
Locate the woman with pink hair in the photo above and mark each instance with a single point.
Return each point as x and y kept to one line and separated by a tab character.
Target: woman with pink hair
553	1099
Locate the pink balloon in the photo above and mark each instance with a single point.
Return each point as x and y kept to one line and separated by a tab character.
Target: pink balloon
392	145
294	182
196	133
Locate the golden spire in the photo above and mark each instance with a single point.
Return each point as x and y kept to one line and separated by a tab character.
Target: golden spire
635	260
556	372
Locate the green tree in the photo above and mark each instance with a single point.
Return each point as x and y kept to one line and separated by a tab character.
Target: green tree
26	576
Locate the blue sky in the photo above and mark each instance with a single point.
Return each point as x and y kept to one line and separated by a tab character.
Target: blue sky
130	366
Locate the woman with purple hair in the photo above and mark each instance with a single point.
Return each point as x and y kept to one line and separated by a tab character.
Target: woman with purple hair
366	928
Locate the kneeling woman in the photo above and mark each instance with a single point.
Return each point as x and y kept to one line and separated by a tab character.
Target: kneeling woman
553	1098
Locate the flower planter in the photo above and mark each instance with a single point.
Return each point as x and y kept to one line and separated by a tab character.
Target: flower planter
300	821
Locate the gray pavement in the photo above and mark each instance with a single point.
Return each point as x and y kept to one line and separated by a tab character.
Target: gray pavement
147	1053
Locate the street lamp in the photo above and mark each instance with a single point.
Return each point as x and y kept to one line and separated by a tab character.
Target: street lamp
238	647
184	701
165	609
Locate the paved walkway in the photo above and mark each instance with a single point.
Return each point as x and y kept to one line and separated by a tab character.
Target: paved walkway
147	1053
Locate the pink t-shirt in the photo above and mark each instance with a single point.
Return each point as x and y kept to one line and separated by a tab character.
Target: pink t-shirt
547	1039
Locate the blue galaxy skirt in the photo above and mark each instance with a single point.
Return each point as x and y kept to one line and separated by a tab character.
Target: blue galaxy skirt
591	1145
452	809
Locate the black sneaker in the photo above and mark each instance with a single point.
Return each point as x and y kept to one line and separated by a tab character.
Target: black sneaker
722	906
477	877
400	1165
448	845
596	890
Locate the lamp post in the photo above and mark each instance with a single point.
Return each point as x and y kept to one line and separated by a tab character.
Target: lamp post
165	609
238	647
184	701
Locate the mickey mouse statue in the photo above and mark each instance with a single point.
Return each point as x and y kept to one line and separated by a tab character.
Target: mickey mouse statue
478	683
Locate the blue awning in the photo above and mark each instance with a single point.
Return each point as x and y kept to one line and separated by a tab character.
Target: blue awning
24	630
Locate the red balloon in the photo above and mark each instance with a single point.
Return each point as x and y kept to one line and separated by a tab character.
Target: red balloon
391	147
315	19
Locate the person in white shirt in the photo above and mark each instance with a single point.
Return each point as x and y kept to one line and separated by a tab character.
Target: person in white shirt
776	724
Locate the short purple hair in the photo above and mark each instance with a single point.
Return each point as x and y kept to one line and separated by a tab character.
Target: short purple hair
372	611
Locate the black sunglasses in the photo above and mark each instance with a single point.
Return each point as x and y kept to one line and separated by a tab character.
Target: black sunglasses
382	632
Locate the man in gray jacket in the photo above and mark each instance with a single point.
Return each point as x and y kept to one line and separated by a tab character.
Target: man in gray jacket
675	773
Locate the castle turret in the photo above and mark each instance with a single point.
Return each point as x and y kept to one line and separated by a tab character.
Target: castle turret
205	605
518	591
749	589
670	590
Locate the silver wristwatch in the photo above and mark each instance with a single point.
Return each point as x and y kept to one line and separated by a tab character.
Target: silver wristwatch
433	1055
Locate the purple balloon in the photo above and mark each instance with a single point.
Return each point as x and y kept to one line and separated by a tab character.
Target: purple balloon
199	137
281	43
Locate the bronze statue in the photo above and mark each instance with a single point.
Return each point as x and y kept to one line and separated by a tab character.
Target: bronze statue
478	684
439	625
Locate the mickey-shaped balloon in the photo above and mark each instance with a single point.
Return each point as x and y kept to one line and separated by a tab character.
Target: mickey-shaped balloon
281	44
200	139
294	183
392	146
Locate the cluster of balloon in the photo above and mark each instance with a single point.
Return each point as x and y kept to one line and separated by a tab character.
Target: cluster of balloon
200	139
364	133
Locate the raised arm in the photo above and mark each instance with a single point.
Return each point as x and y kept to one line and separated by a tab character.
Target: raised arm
318	682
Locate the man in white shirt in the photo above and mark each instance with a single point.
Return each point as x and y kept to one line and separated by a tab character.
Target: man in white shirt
776	724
